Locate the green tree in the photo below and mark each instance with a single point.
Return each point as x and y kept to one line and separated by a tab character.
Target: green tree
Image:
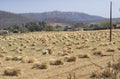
23	30
78	25
42	25
105	25
94	26
49	28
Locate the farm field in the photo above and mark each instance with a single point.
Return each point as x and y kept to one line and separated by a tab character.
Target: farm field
55	55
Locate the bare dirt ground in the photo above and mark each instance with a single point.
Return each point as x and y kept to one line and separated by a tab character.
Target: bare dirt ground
87	49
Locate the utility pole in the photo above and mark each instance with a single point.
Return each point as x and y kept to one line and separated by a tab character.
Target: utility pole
110	21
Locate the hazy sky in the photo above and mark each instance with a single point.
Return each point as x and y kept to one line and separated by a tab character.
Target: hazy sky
93	7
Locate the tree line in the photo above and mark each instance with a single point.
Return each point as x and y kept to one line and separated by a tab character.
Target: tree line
30	27
43	26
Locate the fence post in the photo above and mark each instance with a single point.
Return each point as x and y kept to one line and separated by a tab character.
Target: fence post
110	21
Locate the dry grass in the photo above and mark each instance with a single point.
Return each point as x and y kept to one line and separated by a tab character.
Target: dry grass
110	72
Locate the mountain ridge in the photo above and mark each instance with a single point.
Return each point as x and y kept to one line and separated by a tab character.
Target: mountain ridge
9	18
72	16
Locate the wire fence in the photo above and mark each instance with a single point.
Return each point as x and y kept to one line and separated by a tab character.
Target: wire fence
78	69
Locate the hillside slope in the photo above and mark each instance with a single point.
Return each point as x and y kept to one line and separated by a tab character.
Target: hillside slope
57	16
7	19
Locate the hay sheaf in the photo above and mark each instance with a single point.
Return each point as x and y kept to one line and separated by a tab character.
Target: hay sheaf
98	53
10	71
110	50
25	59
7	58
40	66
1	55
70	59
56	62
32	60
83	56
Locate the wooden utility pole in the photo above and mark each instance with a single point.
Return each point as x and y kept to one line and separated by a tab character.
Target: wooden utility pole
110	21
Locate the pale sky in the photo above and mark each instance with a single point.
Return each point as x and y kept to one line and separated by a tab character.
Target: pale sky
93	7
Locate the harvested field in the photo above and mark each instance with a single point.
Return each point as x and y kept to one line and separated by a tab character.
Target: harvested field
56	55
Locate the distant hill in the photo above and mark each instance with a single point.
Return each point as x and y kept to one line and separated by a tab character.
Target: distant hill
7	19
116	19
57	17
60	17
